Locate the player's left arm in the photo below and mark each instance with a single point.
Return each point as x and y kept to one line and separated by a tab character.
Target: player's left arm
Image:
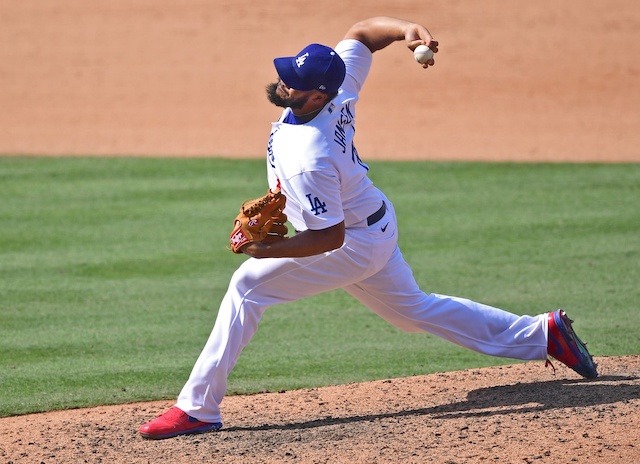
323	217
306	243
381	31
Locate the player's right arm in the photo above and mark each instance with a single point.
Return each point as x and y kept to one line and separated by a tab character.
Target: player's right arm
381	31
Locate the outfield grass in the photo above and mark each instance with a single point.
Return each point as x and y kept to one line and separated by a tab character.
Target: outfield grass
111	271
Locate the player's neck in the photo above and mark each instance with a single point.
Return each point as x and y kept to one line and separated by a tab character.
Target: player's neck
308	116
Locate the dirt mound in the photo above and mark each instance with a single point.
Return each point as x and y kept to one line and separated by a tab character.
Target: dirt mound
520	413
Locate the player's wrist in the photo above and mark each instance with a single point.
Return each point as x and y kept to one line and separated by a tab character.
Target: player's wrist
255	249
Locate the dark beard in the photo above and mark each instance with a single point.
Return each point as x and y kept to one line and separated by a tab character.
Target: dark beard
293	103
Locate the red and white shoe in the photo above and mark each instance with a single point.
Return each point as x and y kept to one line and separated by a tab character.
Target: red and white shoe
565	346
176	422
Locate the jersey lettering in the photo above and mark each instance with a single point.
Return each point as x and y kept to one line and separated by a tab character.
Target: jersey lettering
317	206
340	133
270	155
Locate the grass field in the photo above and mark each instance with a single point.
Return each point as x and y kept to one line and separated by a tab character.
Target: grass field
111	271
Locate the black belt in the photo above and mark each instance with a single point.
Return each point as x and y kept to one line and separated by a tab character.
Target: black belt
375	217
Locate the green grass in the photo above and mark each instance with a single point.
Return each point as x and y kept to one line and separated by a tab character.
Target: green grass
111	271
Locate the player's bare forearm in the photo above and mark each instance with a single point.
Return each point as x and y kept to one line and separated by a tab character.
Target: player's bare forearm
379	32
307	243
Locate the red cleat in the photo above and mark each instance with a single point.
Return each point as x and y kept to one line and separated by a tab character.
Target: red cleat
565	346
176	422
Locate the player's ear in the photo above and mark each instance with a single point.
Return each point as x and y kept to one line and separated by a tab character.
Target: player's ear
320	98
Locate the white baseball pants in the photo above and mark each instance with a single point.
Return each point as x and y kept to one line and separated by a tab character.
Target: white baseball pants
370	267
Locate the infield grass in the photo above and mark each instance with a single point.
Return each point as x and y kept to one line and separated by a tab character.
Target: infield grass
112	269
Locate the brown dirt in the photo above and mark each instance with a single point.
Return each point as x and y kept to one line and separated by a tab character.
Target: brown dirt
519	413
535	81
514	81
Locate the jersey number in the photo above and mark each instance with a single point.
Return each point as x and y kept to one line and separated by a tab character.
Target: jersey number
356	158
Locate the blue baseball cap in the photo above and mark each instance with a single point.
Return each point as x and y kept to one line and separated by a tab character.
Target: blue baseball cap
316	67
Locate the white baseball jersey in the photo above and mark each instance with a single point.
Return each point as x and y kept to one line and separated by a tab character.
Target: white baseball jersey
317	163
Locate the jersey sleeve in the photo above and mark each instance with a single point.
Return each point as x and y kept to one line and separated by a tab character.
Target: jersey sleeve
320	205
357	59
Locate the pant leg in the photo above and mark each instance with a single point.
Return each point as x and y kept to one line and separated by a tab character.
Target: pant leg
258	284
394	295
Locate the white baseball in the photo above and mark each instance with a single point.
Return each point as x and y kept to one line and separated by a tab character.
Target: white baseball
422	54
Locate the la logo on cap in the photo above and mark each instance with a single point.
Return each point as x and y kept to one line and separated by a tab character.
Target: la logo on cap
301	59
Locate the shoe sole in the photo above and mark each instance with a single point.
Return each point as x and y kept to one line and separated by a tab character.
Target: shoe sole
202	429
